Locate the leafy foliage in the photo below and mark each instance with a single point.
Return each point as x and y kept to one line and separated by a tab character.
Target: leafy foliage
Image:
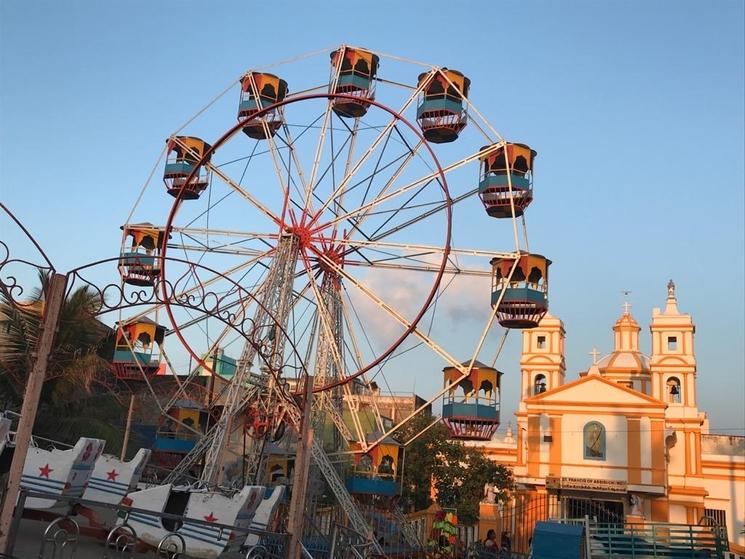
458	472
74	400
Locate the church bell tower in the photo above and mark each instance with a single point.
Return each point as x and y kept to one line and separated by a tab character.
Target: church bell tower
542	364
673	362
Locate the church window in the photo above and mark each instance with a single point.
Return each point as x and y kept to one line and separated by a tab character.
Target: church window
539	385
541	342
594	441
672	343
627	384
673	390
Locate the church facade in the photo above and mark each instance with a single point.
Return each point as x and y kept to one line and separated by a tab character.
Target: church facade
626	440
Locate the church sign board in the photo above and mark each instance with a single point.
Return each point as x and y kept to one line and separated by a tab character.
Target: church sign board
586	484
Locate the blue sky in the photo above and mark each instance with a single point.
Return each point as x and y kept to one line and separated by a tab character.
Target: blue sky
636	110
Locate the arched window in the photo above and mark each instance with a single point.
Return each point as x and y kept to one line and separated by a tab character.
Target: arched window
387	466
539	384
673	390
594	441
365	464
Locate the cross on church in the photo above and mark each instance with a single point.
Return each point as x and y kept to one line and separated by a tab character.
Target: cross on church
626	304
594	354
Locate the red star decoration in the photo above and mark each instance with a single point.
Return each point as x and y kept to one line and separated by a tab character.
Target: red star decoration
45	471
211	518
112	475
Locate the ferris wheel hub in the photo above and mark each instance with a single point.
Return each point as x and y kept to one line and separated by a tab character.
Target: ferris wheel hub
303	235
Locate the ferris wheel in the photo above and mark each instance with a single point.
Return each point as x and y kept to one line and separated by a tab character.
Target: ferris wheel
321	201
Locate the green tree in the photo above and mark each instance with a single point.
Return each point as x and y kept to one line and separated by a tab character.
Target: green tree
460	476
458	472
74	401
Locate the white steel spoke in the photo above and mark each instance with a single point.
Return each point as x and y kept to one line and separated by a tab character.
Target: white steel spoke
347	165
434	268
404	164
427	248
241	191
472	108
358	360
289	140
410	186
191	231
276	157
424	215
360	162
310	186
394	313
221	249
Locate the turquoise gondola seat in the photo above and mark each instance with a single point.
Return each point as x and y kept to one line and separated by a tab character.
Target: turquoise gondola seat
469	410
250	105
359	82
137	259
127	356
492	181
439	106
178	168
520	294
371	485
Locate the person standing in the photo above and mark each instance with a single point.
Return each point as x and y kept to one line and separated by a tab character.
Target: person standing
506	542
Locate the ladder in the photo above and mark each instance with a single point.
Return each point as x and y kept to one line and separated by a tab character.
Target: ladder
345	500
336	484
407	531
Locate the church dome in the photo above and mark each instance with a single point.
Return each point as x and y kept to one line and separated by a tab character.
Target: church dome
626	356
625	360
626	323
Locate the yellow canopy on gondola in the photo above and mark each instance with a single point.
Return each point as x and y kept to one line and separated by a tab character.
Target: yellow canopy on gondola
532	267
481	377
188	148
145	235
358	61
519	156
445	83
384	456
144	331
269	86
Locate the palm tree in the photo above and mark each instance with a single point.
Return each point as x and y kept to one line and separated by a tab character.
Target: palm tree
74	400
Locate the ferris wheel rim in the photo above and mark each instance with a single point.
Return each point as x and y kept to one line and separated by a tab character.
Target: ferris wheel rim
447	206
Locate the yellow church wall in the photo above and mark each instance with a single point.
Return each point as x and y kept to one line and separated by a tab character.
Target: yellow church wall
634	450
572	451
724	481
676	465
645	443
678	513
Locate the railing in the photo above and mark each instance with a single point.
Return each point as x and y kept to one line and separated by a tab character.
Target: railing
652	539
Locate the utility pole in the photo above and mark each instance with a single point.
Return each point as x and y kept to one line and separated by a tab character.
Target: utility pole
296	518
128	428
55	297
